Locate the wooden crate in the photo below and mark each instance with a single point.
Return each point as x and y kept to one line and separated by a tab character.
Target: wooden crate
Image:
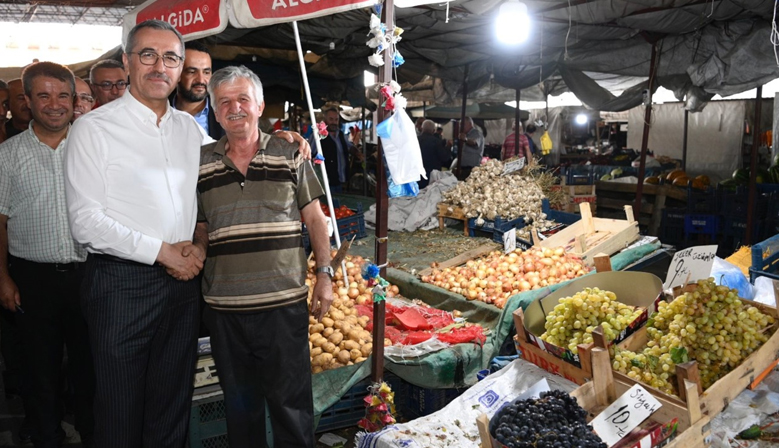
616	195
456	213
604	388
575	195
693	400
591	236
462	258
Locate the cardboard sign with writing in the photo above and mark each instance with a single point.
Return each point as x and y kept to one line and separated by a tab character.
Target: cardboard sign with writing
622	416
693	263
514	165
510	241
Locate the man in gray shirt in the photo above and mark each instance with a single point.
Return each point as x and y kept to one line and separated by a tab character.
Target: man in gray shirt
473	147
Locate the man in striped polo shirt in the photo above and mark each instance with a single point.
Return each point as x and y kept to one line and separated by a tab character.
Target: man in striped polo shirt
252	191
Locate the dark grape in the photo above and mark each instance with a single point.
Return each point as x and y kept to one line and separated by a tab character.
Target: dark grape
555	420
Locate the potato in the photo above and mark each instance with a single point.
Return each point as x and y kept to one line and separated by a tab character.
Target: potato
352	320
354	334
387	342
336	337
355	354
316	369
363	320
316	328
329	347
310	345
336	314
349	303
311	320
366	349
327	322
313	336
365	335
360	359
328	331
346	327
322	359
316	351
350	363
319	341
344	356
337	303
350	345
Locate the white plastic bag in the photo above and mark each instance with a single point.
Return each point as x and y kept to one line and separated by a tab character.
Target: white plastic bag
401	147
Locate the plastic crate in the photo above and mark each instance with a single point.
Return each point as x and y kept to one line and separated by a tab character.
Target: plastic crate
351	226
765	259
420	401
207	423
672	225
351	407
497	225
579	175
702	202
701	224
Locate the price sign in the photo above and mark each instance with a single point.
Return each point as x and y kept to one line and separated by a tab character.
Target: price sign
632	408
693	262
510	240
514	165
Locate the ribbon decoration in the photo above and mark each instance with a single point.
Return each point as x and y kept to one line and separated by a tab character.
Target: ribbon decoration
370	272
379	408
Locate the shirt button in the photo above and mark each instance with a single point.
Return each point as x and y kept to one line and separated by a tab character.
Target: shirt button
242	184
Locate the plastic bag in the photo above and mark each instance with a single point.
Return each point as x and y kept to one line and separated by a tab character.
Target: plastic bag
401	148
728	274
546	143
764	291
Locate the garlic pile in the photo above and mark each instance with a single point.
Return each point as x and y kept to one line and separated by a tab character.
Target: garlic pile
486	194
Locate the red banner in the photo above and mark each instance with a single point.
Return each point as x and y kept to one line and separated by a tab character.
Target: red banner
253	13
192	18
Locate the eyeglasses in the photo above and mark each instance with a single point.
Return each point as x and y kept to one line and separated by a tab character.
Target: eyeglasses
86	98
168	59
108	85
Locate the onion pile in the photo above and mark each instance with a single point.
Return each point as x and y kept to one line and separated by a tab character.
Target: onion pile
498	276
341	338
486	194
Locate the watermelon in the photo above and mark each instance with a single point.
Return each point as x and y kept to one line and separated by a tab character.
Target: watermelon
728	184
741	176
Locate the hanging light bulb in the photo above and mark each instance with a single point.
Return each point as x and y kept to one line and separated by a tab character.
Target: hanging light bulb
513	23
581	119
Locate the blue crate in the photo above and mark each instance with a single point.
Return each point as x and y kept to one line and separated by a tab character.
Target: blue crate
351	226
701	224
557	216
208	423
418	401
765	259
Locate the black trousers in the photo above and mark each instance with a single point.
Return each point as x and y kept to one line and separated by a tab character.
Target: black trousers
143	327
264	357
52	319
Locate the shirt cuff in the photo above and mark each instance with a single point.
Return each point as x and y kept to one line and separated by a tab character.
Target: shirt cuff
147	250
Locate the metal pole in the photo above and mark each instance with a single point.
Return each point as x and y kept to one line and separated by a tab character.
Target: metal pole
684	144
462	119
753	166
382	208
645	138
364	157
517	95
317	142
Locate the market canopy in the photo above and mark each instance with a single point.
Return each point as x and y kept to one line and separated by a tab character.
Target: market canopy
479	111
705	47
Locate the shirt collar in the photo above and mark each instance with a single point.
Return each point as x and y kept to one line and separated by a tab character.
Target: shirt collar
142	111
220	145
35	138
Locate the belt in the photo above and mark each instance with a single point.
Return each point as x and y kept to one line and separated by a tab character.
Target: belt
115	259
56	267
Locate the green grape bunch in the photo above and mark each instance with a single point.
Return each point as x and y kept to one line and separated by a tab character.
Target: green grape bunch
574	318
710	325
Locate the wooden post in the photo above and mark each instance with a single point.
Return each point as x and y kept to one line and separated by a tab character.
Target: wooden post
753	167
462	119
382	208
364	156
517	119
647	120
684	142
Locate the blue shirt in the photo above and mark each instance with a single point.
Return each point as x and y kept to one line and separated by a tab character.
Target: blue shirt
202	117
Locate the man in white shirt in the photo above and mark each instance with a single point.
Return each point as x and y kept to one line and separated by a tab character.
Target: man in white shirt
131	172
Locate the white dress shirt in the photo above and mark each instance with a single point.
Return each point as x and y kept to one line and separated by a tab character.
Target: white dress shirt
130	184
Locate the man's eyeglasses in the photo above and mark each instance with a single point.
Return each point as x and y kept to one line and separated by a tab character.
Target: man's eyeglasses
108	85
168	59
86	98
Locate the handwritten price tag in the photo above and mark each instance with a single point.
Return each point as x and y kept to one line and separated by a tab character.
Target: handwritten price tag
514	165
632	408
694	262
510	240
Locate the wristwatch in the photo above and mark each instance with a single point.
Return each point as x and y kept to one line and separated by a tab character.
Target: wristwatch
326	270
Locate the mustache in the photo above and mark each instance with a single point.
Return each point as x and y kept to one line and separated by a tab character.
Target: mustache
199	84
162	76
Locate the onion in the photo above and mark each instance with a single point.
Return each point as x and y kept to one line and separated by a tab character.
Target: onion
353	293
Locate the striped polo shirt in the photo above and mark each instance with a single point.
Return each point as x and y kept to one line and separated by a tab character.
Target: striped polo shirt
256	260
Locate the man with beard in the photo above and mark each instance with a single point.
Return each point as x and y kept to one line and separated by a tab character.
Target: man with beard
336	149
20	111
108	80
84	100
41	266
192	91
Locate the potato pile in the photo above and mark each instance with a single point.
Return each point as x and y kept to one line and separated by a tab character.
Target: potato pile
341	338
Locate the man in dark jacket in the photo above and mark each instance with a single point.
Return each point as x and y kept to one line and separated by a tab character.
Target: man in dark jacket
336	149
191	94
435	153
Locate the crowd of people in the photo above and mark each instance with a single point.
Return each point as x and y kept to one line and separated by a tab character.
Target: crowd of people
129	205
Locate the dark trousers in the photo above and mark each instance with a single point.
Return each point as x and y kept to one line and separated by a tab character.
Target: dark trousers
52	319
11	349
143	327
264	357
